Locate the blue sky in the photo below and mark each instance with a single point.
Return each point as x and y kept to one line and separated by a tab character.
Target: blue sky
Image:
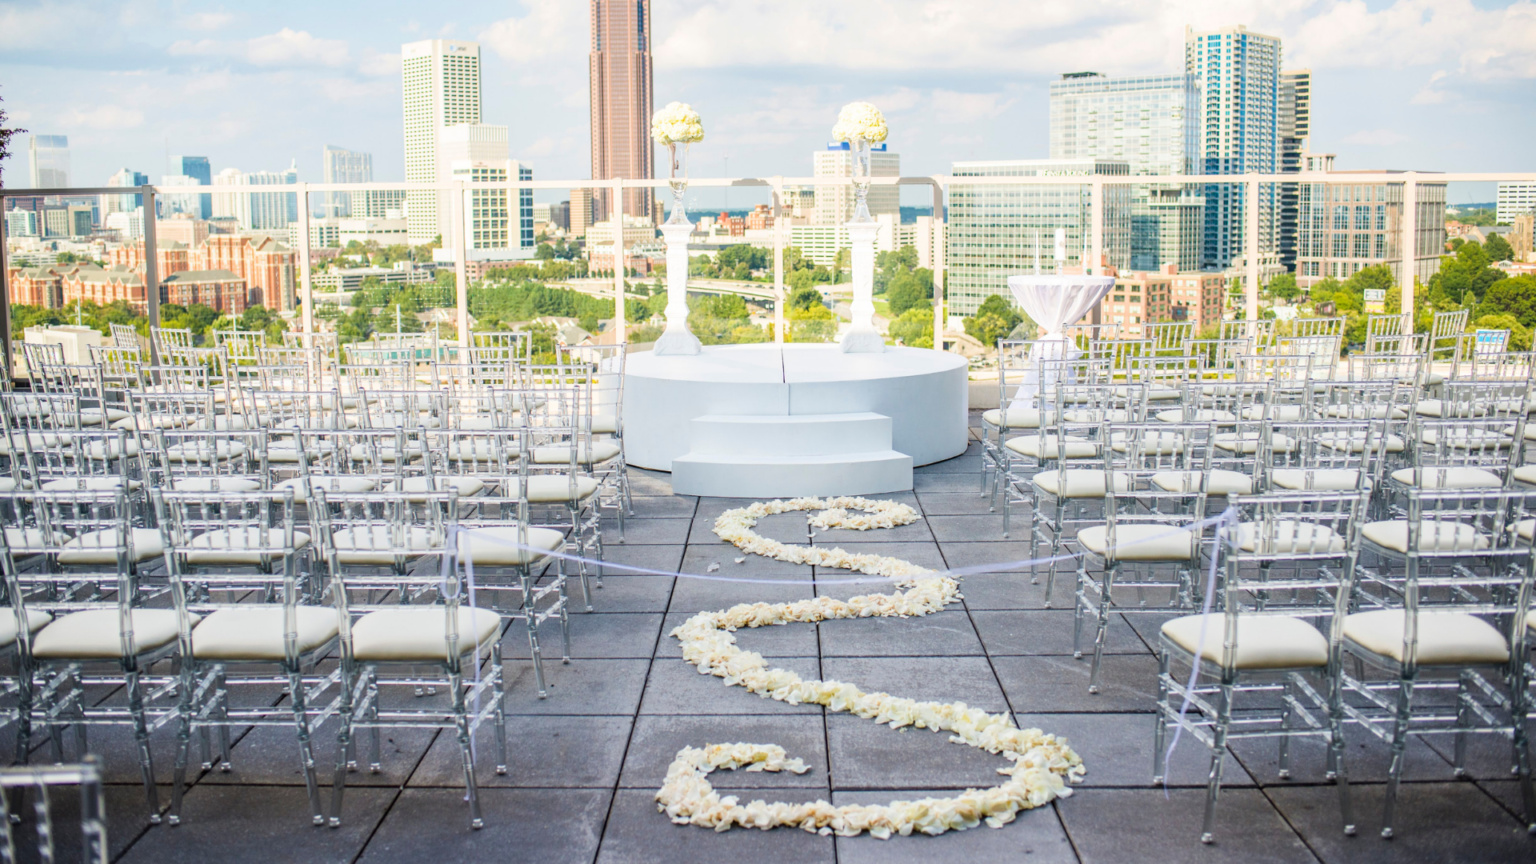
1426	84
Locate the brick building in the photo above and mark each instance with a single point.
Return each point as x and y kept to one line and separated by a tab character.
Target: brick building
269	267
170	257
103	286
218	289
1167	295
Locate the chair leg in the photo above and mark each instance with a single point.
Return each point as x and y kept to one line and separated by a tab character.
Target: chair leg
1336	754
135	687
375	760
1287	695
531	622
1218	761
499	679
221	695
1050	569
183	742
1399	752
306	748
1101	629
581	569
565	615
1160	728
1079	602
466	752
350	683
1463	720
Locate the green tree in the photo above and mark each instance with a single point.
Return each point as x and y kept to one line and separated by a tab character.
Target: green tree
545	252
1515	297
70	258
1519	334
905	292
805	304
1498	248
5	144
914	328
994	319
1283	287
1465	276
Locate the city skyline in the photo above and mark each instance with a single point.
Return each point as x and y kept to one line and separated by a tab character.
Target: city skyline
326	76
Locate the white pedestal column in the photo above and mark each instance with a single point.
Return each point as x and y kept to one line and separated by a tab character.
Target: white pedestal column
677	339
862	337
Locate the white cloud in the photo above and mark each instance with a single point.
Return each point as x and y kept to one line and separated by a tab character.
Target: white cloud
1376	137
551	28
207	21
285	49
951	107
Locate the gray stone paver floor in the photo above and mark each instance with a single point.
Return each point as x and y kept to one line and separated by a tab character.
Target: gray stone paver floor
586	761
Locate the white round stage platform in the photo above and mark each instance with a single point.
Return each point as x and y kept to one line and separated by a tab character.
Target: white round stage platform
788	420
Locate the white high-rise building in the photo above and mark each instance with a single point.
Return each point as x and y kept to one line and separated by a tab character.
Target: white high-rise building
122	203
1151	122
1239	74
257	211
834	204
441	87
478	153
1514	200
50	161
343	166
171	203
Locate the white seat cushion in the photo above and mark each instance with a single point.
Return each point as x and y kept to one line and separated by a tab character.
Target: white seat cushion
1364	412
1444	637
1248	442
377	544
551	488
33	440
1278	413
1013	418
1202	415
1079	484
100	547
287	451
1113	415
229	423
1263	641
1526	474
498	545
1463	477
479	450
1047	447
203	451
255	632
95	634
1288	536
35	621
328	483
1139	542
1150	443
407	421
23	540
1315	479
215	484
1467	438
417	488
87	484
1434	536
1354	442
387	452
1221	482
233	545
96	417
589	453
1438	408
10	484
1525	528
112	448
420	633
604	423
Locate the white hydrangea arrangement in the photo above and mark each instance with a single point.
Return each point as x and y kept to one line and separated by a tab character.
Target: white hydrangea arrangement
677	123
1041	764
860	120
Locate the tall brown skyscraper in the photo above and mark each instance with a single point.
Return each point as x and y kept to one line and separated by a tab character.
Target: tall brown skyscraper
621	100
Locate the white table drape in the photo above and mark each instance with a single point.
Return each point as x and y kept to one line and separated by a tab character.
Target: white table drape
1053	303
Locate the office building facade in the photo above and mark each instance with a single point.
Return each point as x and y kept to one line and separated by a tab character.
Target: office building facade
441	88
1152	123
1346	227
995	229
1295	129
343	166
621	102
1239	76
1513	200
196	167
124	203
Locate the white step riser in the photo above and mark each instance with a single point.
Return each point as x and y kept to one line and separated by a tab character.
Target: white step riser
854	474
788	435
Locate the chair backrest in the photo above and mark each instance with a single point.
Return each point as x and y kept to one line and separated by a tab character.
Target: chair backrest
41	781
125	336
1260	334
1168	336
227	459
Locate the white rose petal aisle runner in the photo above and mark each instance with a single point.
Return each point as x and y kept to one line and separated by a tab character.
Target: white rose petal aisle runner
1040	766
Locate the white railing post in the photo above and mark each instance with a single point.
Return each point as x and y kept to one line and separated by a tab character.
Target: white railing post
1095	263
1409	252
617	212
460	265
151	265
940	219
779	292
306	292
1251	250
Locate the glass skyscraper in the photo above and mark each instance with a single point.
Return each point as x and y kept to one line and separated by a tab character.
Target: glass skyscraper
1153	124
197	168
50	161
1239	74
995	229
